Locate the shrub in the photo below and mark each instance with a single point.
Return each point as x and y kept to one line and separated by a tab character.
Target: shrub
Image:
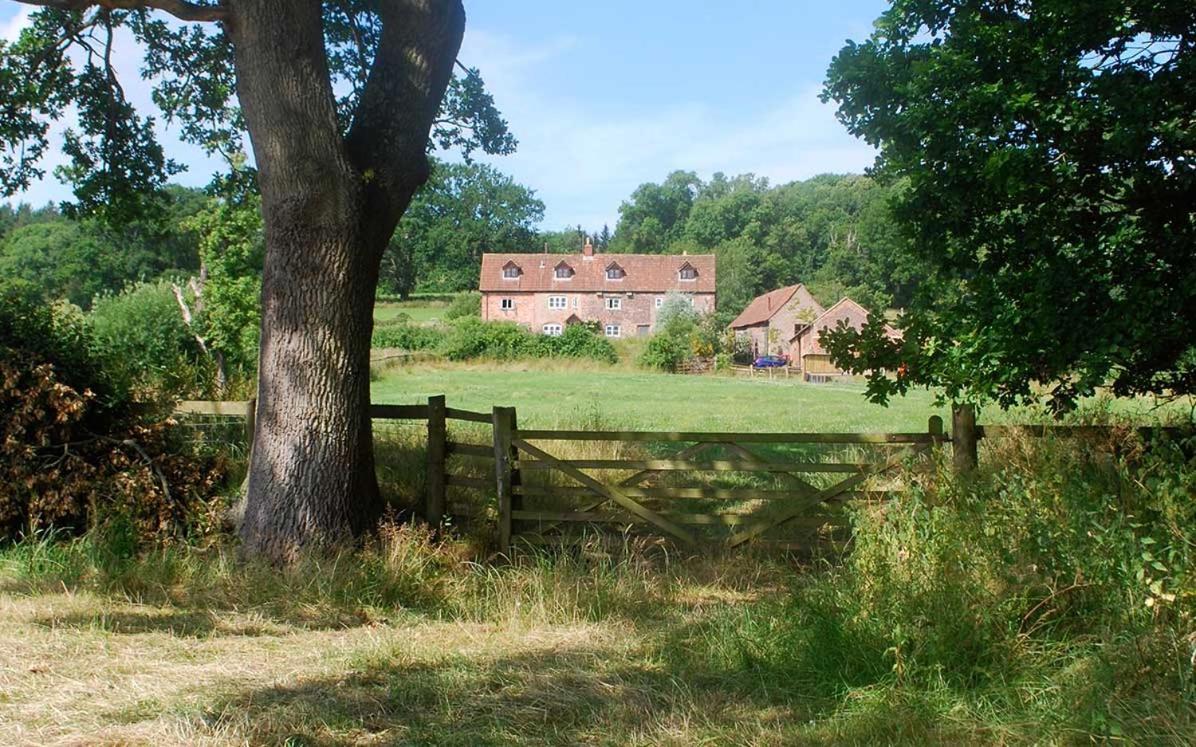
681	333
469	338
580	341
405	336
54	333
665	352
463	305
143	341
71	452
472	338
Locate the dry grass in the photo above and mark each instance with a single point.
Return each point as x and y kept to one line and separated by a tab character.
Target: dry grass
545	651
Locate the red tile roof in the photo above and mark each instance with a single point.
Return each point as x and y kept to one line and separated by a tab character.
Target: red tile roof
645	273
762	308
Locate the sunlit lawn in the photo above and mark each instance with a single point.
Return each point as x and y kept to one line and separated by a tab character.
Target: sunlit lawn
421	309
547	396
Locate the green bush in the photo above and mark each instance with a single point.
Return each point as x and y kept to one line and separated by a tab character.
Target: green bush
578	341
665	352
54	333
141	336
470	338
463	305
404	336
681	334
1057	590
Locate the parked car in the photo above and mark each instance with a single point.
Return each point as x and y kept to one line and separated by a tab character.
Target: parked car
771	361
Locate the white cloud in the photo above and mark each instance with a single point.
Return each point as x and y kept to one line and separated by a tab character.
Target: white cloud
583	165
580	162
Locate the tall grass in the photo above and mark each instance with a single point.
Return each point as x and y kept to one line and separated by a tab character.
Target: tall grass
1050	598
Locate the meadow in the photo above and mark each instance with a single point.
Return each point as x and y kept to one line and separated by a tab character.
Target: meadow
549	395
1011	608
1046	599
419	308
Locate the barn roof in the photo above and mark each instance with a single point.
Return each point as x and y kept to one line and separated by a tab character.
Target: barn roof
644	273
843	310
762	308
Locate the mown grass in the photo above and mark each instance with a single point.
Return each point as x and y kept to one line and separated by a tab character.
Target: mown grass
419	309
549	394
555	393
1050	598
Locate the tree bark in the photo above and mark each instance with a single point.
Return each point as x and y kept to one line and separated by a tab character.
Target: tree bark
330	203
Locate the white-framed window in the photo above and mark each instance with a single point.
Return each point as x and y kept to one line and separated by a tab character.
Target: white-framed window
614	272
688	272
511	272
553	330
612	330
558	302
614	304
575	302
563	272
659	301
507	304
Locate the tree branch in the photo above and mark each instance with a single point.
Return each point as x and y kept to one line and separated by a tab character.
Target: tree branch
414	62
181	9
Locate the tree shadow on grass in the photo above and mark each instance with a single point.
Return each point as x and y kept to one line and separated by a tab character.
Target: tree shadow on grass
580	694
180	623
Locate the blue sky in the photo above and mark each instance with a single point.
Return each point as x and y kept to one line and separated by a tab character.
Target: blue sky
605	96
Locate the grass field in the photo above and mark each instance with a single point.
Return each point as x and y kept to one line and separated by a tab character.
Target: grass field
421	309
201	650
547	396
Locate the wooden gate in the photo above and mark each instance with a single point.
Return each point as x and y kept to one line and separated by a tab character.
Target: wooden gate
729	488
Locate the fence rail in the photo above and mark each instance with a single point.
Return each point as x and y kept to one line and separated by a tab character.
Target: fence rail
593	496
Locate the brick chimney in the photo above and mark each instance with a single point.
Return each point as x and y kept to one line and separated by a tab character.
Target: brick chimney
588	250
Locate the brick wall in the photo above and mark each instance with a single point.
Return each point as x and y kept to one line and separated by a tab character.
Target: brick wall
636	311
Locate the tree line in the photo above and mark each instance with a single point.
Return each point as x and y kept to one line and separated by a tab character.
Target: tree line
832	232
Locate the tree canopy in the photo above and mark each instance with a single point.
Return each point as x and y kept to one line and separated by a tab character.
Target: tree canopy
462	211
342	101
1047	151
833	233
77	258
116	165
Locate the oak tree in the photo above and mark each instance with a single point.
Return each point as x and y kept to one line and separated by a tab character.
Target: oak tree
340	100
1048	155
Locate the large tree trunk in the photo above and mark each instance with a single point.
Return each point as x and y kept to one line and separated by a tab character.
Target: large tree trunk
330	203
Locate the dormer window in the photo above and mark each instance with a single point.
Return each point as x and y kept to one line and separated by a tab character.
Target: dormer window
563	271
614	272
511	271
687	272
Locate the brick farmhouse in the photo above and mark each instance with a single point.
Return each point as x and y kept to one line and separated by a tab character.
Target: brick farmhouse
788	321
621	292
770	321
805	347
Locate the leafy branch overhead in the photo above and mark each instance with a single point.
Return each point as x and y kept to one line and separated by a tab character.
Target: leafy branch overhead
117	166
1049	153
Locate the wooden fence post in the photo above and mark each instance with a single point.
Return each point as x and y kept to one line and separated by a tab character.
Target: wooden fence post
504	432
437	435
250	424
963	438
935	426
